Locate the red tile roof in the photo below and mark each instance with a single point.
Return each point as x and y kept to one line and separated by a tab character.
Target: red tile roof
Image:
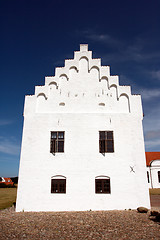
150	156
7	179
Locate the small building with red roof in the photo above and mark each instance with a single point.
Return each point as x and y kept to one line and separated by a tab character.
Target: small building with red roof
7	181
153	169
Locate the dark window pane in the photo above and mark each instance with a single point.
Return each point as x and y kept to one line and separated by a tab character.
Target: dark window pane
62	187
61	146
52	146
53	135
105	186
110	135
55	187
56	146
102	135
102	146
108	185
60	135
98	186
52	185
110	146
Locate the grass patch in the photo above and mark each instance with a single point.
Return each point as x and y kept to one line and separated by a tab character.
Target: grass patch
7	197
154	191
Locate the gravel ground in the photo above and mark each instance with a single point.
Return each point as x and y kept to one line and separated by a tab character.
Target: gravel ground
127	224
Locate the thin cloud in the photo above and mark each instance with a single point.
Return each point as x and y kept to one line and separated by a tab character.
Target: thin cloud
130	82
152	144
9	146
148	94
155	74
58	63
99	37
152	137
136	50
103	38
154	134
5	122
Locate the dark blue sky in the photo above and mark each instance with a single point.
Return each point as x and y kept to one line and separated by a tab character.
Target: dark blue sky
37	36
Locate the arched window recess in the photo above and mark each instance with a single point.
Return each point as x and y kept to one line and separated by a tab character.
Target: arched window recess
64	75
43	95
74	67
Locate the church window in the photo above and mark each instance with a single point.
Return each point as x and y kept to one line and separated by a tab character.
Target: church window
102	185
106	143
58	185
57	142
159	176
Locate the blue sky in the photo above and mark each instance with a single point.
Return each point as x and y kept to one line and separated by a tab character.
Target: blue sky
37	36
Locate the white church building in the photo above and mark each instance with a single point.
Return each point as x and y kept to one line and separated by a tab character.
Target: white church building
82	145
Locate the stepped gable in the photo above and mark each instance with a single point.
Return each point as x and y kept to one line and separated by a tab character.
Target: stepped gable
83	85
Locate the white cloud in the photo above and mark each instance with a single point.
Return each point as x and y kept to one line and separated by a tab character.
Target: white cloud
152	145
5	122
136	50
100	37
105	38
151	119
152	134
155	74
9	146
148	94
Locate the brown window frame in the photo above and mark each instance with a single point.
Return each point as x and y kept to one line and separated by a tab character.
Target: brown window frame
106	142
57	141
58	185
102	186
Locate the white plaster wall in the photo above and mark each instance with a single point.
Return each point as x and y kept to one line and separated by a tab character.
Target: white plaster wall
79	88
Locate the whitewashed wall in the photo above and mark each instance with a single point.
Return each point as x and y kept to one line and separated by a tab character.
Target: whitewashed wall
82	99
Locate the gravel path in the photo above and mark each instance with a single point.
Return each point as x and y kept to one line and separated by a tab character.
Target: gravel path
77	225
